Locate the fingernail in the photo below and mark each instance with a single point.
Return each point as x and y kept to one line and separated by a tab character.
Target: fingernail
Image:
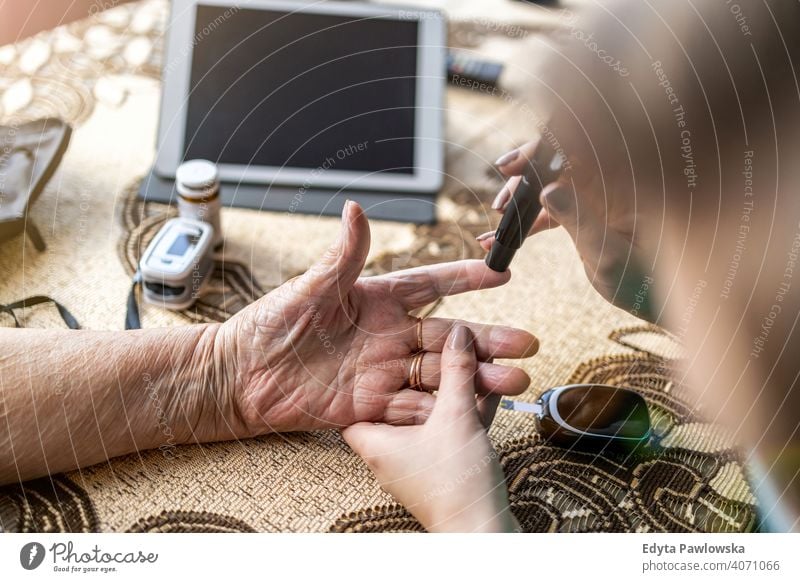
507	158
346	209
559	199
502	198
461	339
484	236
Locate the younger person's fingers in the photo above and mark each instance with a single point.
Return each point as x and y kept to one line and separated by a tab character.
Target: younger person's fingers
506	192
456	395
513	163
369	440
409	407
587	230
608	256
543	222
487	407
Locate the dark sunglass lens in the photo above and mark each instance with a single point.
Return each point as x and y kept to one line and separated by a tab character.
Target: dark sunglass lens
605	411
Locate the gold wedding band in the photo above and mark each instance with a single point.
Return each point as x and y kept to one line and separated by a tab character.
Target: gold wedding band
415	374
419	334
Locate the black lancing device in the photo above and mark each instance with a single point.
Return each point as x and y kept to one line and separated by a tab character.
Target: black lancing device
524	206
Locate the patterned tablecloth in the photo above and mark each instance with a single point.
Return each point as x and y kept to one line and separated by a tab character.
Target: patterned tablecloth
102	75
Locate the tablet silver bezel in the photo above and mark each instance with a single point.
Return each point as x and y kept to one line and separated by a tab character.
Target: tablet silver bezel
428	138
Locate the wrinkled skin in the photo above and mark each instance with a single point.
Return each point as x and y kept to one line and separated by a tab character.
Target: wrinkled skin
328	349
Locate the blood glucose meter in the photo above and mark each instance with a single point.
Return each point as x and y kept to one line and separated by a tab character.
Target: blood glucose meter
177	263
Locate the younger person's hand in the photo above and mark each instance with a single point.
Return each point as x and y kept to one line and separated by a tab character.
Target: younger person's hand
444	472
600	217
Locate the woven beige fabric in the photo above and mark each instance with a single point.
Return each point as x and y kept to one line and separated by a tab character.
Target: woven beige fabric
101	75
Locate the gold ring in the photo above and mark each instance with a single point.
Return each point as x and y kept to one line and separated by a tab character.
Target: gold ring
419	334
415	373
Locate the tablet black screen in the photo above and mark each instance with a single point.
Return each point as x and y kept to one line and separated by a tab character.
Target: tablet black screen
301	90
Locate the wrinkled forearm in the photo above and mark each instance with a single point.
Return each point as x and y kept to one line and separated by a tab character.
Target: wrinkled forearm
70	399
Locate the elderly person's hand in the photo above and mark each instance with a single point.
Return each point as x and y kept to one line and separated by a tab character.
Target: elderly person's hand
445	472
326	349
329	349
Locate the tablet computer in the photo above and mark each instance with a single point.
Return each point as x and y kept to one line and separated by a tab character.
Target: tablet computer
311	94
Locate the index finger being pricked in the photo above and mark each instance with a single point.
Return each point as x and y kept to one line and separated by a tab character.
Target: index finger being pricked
415	288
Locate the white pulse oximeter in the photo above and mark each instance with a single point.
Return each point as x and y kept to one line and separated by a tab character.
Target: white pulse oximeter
177	264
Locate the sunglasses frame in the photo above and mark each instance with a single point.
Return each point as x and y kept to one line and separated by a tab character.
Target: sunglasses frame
557	430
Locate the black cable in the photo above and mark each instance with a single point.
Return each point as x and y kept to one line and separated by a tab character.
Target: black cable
68	318
132	320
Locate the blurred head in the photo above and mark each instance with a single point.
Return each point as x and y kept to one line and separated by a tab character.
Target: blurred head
664	99
685	116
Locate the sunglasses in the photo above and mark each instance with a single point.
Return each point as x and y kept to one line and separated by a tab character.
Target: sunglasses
592	417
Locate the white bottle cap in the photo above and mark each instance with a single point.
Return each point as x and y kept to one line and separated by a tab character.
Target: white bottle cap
197	178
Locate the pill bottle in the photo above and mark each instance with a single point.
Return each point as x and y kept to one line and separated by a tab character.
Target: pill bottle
197	182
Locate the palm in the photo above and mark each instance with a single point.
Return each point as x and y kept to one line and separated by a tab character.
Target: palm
330	349
339	358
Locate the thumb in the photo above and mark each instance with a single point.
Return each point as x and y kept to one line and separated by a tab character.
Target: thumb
456	396
369	440
585	228
605	253
560	202
339	268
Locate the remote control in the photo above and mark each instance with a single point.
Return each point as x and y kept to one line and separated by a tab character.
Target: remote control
467	71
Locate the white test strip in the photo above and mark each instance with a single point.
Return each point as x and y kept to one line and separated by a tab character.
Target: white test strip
519	406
